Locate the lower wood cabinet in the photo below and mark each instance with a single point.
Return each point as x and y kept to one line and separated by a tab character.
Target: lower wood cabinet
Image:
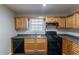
75	49
29	45
69	47
41	45
66	47
35	45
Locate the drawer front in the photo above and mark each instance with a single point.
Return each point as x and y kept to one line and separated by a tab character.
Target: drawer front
30	46
29	41
41	46
41	40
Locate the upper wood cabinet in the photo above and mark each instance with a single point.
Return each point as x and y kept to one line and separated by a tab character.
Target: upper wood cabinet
50	19
73	21
76	17
70	22
61	22
21	23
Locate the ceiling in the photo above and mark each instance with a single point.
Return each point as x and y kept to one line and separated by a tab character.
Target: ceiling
40	9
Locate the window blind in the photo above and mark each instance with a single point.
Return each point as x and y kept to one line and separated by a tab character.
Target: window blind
37	25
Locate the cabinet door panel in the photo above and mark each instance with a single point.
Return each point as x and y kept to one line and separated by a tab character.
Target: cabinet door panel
69	47
18	23
50	19
61	22
70	22
64	46
76	17
75	48
41	45
21	23
30	46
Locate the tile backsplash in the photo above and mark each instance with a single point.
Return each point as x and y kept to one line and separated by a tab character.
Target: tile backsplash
74	32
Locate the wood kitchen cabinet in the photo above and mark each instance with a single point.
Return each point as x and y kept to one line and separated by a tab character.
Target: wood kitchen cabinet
75	48
21	23
73	21
67	47
35	45
41	45
51	19
76	17
64	46
70	22
29	45
61	22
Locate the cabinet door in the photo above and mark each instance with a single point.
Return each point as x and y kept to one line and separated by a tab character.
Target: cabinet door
70	22
41	45
30	46
50	19
69	47
75	48
64	46
21	23
18	23
61	21
76	17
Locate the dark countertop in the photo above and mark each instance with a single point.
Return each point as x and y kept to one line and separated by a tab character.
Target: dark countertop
72	38
30	36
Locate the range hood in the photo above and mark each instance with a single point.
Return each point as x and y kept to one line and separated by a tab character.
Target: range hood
52	24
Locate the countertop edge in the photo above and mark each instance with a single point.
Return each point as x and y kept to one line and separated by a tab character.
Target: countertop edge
73	39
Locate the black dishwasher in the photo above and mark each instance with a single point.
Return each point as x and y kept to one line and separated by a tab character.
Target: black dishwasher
54	43
18	45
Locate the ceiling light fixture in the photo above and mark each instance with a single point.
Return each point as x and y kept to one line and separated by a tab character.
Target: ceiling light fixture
44	5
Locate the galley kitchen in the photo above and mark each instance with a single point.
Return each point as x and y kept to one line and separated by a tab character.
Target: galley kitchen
38	29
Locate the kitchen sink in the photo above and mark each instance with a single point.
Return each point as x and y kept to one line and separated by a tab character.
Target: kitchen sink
39	36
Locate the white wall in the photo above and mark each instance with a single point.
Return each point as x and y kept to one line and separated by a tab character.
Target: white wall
6	29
